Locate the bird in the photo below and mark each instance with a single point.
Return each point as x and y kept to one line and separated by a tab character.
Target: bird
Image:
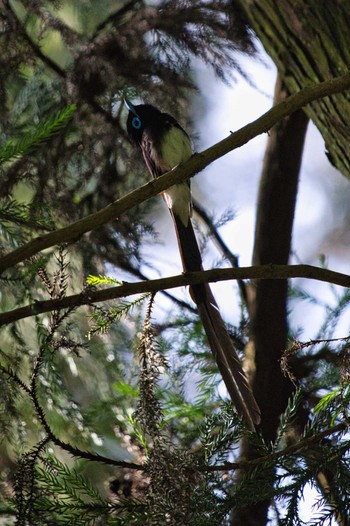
164	145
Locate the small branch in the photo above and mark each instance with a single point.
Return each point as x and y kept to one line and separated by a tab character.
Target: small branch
75	452
194	165
288	450
93	457
227	466
114	16
15	378
226	252
62	73
180	280
36	48
25	505
140	275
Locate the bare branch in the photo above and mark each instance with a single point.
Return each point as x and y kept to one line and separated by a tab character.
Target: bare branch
74	451
88	297
218	240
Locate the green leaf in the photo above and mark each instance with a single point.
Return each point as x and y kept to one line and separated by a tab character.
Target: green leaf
104	318
124	388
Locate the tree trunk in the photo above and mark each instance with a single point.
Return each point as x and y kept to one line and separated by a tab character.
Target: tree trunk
309	41
273	234
268	298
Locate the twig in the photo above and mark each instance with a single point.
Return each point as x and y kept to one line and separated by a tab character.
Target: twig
232	258
114	16
227	466
288	450
51	437
35	47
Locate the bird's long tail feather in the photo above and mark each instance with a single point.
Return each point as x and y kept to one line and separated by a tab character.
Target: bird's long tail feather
219	340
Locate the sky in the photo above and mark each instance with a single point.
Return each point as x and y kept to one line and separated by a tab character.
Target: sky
232	182
231	107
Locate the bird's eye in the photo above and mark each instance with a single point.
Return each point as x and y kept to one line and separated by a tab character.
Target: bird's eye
136	123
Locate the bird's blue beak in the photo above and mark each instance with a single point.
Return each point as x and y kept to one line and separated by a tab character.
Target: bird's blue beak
130	106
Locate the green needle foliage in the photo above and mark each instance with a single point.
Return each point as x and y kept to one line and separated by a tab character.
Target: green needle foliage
43	132
102	318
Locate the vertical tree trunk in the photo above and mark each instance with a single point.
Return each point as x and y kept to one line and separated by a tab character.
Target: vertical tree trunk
268	298
309	41
273	234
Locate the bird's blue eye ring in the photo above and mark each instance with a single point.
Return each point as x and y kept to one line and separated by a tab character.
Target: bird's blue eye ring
136	123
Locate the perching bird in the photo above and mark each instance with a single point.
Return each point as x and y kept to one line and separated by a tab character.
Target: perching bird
165	144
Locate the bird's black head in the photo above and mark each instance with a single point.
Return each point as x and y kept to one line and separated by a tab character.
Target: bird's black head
140	117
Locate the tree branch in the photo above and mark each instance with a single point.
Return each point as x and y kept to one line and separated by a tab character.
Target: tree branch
267	303
194	165
226	252
272	244
75	452
89	296
35	47
293	449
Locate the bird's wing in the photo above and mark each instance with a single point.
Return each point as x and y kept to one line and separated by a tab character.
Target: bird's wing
149	154
173	149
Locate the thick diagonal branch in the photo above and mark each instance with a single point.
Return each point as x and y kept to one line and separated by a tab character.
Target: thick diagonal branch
260	272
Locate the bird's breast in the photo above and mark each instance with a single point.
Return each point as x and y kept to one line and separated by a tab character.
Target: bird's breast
175	147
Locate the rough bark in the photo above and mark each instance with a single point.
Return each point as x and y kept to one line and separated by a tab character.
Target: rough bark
268	298
272	244
309	41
